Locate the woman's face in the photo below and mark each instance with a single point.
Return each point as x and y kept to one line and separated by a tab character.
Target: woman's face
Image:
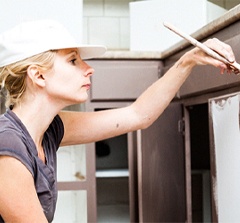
69	80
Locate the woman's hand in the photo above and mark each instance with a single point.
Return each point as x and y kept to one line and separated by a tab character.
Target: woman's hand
198	57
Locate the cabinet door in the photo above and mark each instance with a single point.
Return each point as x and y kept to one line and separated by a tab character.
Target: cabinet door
161	170
225	156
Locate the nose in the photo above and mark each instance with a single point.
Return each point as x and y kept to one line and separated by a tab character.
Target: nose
88	70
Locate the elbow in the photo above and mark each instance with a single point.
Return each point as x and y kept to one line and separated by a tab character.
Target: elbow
146	117
146	122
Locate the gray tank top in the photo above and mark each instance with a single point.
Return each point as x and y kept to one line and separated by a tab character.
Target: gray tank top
15	141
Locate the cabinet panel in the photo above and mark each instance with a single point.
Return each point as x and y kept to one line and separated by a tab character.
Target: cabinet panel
122	80
161	169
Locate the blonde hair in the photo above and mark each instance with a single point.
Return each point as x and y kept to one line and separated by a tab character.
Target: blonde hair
13	76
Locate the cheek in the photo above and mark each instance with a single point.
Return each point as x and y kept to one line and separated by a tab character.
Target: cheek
66	79
66	86
60	78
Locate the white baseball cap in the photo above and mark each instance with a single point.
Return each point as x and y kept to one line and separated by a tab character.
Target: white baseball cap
31	38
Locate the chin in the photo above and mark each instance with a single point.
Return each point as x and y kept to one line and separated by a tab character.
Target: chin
82	99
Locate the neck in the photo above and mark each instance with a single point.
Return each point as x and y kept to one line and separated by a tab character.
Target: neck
36	116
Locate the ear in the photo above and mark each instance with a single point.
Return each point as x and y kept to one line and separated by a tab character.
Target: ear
36	75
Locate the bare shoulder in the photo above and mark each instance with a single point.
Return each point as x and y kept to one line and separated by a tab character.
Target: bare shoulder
18	198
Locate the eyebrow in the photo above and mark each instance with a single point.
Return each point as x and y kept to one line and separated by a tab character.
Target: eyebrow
67	53
73	51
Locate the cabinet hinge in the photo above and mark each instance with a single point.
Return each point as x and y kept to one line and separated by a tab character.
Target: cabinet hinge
181	126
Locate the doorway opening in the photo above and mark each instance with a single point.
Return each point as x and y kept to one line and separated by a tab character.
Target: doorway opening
112	180
200	163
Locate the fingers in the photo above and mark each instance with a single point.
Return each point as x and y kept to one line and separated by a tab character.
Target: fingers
216	53
224	50
221	48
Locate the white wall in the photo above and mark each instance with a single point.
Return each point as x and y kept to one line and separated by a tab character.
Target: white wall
69	13
147	32
104	21
107	22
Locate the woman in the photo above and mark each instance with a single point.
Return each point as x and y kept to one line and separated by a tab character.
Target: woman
42	71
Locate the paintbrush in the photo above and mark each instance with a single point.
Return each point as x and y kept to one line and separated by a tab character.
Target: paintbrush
235	67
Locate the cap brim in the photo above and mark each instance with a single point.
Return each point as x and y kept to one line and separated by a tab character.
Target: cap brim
86	51
91	51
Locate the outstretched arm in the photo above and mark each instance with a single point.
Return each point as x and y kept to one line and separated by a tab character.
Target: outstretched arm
85	127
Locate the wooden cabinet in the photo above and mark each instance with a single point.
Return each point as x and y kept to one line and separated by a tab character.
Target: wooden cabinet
117	84
195	95
144	180
163	173
170	164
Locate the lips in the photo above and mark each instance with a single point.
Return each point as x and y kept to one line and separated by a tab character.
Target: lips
87	86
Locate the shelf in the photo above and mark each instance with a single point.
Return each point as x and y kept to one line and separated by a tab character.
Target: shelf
112	173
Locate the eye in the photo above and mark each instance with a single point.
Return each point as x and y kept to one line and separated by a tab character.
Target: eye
73	61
